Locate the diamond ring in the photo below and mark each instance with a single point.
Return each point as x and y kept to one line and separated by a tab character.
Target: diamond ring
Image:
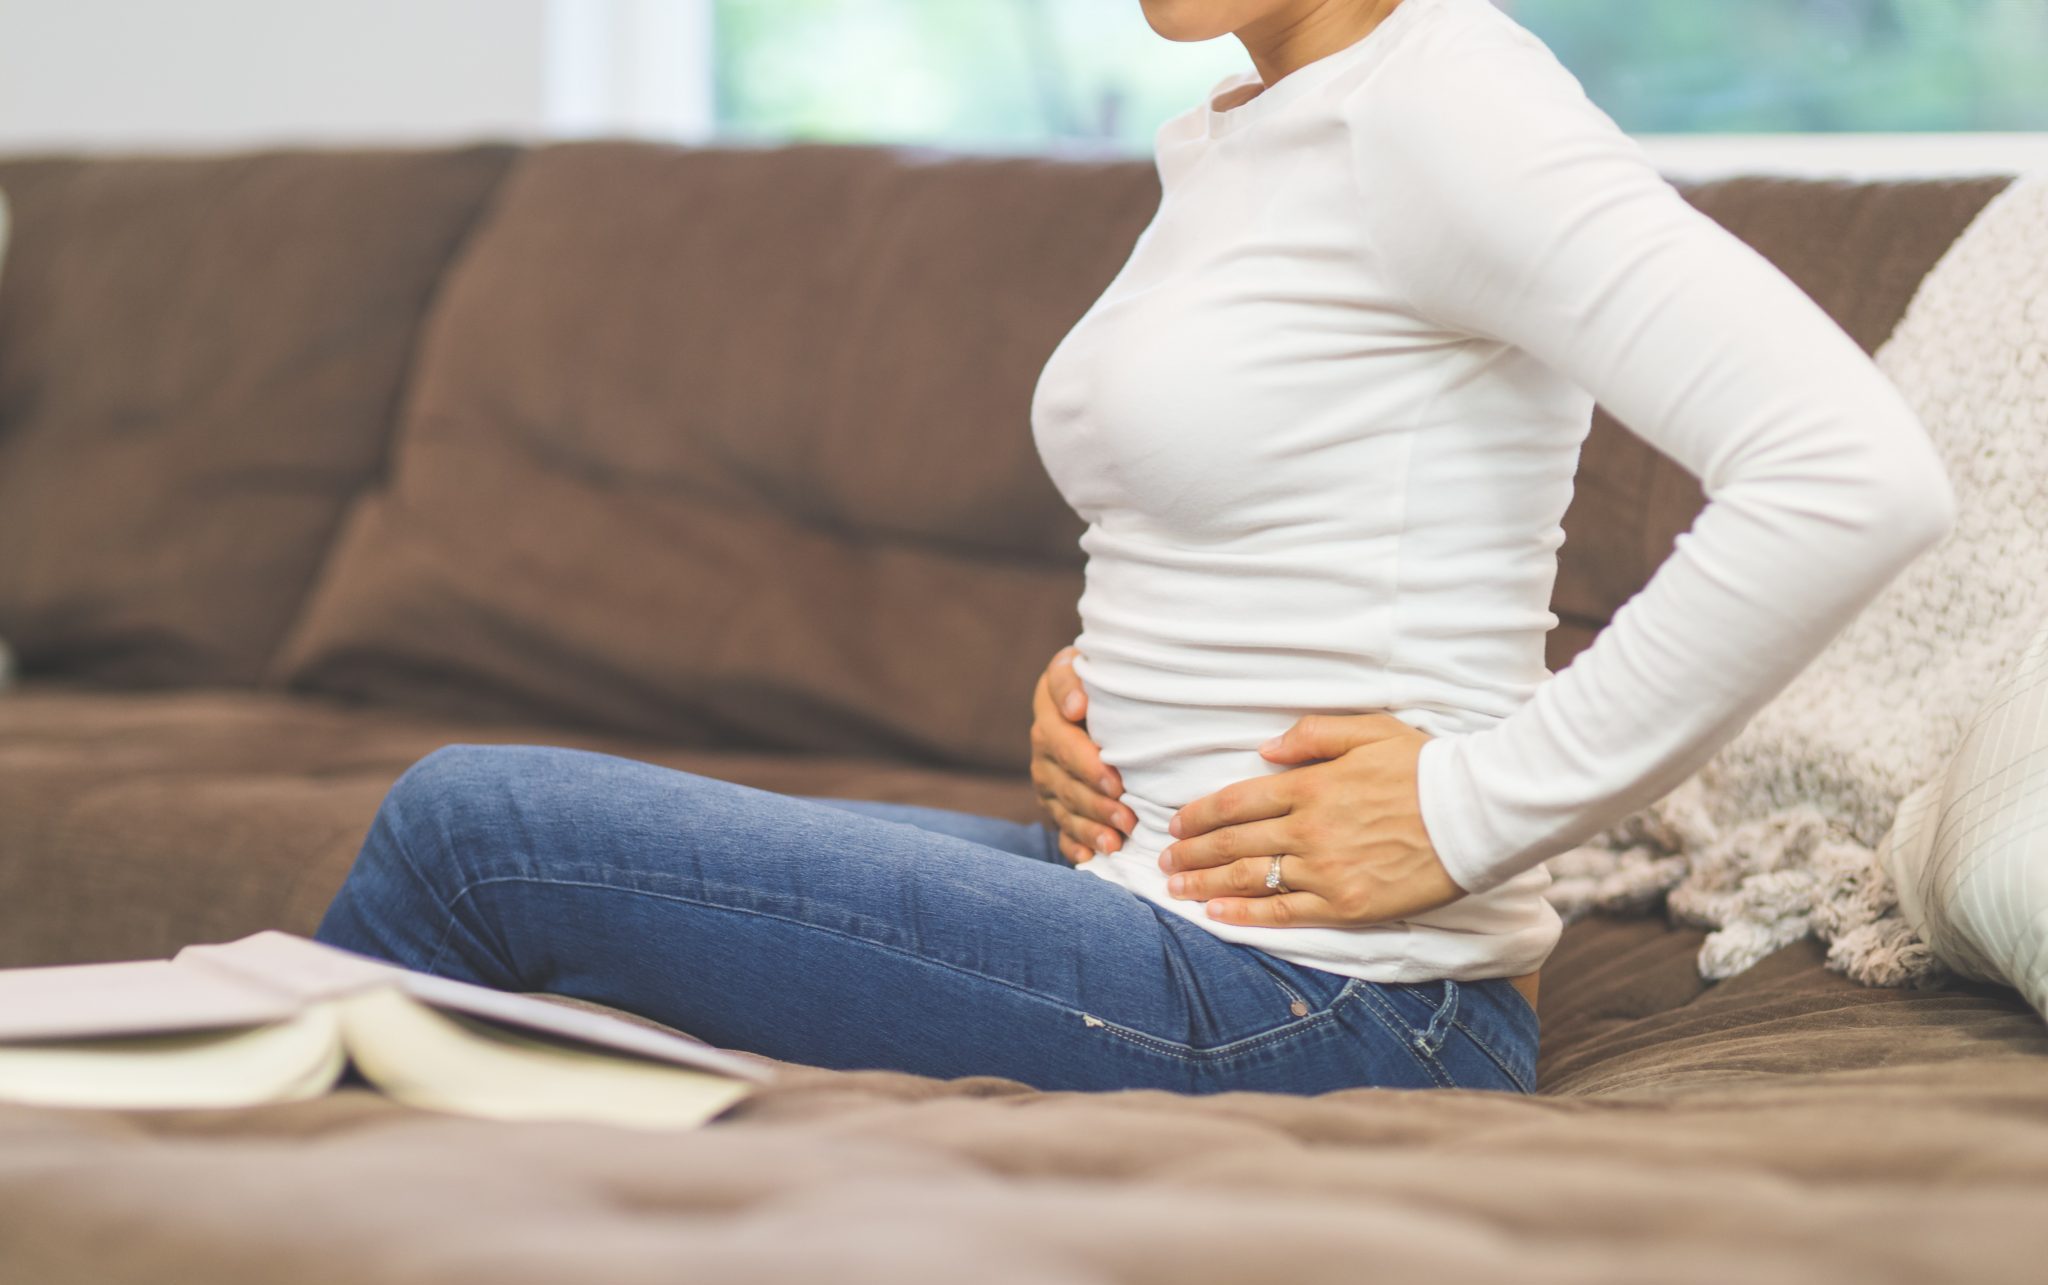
1273	876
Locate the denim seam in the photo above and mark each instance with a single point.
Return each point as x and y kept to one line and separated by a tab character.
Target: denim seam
1154	1043
1286	988
1497	1059
1445	1015
1452	1003
1442	1012
1408	1037
447	934
1189	1053
398	832
1523	1000
1293	996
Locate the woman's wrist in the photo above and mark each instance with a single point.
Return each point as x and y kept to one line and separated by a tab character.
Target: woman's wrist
1451	814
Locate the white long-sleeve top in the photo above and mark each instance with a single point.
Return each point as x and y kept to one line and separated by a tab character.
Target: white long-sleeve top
1323	426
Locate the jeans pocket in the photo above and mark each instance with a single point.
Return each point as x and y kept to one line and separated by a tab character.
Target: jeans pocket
1298	1003
1460	1030
1294	1011
1421	1016
1432	1013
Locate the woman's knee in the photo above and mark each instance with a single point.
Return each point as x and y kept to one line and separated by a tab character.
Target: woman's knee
437	806
450	777
420	852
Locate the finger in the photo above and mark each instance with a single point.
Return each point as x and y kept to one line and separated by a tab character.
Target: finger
1254	799
1088	802
1075	854
1057	696
1072	850
1286	910
1090	836
1328	736
1059	815
1045	707
1073	749
1065	685
1229	843
1245	877
1067	751
1055	780
1098	822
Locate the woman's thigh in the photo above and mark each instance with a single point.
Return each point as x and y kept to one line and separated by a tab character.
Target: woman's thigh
1024	838
850	936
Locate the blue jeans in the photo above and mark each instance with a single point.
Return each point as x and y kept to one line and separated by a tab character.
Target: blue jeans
847	933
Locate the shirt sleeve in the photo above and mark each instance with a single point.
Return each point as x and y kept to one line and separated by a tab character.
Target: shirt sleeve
1508	207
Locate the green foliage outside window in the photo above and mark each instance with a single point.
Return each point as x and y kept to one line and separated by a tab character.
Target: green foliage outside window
1025	74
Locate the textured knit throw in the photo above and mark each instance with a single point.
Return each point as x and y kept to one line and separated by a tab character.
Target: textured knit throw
1775	836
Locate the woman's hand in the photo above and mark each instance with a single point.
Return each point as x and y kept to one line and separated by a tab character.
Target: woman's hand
1350	829
1076	788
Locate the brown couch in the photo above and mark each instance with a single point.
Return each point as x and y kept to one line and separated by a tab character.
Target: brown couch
311	462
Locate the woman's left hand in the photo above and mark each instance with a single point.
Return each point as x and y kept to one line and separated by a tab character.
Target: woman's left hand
1350	830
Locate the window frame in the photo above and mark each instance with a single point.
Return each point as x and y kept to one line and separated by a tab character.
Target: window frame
1929	154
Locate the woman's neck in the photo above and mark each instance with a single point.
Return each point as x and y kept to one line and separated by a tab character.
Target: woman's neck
1291	36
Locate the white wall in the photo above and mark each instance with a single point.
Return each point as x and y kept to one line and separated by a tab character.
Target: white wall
144	74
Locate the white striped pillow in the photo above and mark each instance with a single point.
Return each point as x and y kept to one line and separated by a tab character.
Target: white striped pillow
1968	851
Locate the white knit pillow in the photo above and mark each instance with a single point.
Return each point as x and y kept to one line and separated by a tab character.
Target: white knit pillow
1775	838
1968	851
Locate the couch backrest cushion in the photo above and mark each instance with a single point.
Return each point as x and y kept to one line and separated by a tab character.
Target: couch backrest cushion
200	360
731	444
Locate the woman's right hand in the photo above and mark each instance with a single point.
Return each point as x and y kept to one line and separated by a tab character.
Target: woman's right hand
1075	787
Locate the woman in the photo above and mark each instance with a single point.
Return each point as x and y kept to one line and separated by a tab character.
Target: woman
1323	425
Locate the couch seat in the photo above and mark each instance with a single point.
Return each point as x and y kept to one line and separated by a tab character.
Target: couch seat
203	815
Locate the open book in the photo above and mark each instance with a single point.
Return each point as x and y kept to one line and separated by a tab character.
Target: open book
275	1017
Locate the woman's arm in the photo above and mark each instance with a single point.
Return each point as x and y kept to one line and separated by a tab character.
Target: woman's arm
1507	206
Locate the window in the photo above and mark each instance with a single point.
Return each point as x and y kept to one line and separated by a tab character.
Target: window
987	73
1025	74
1771	66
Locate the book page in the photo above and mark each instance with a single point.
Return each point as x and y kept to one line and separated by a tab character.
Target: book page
576	1024
129	998
315	970
269	976
426	1057
291	965
284	1061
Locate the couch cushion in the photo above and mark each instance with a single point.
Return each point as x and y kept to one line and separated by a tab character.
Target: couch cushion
132	824
1625	1013
200	361
731	445
1892	1175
